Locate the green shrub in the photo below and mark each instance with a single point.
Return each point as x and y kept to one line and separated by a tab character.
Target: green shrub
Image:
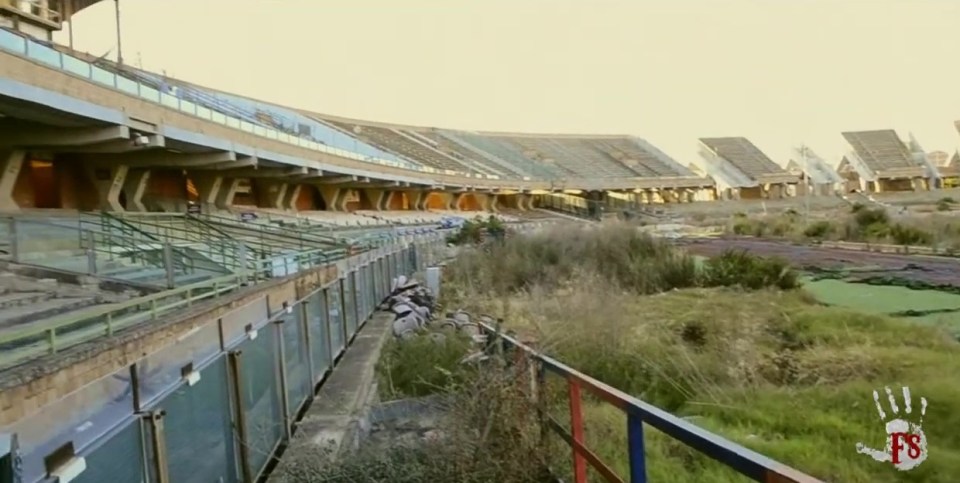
905	235
871	216
818	229
421	366
739	268
944	204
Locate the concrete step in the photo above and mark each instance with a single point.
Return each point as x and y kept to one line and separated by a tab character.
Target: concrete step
23	314
10	300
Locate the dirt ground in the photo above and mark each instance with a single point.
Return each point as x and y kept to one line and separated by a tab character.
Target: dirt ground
940	271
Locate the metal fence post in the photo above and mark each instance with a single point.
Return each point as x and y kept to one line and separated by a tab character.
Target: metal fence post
168	264
91	254
576	430
15	240
638	461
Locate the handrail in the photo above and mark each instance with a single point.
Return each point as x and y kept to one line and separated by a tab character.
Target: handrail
57	333
744	461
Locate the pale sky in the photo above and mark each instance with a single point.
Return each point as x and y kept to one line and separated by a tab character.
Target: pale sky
779	72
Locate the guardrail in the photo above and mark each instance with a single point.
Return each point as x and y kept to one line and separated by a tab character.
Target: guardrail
742	460
57	333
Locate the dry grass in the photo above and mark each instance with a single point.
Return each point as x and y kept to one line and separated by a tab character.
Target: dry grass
769	369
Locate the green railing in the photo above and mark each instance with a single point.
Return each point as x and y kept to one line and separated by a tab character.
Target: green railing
55	334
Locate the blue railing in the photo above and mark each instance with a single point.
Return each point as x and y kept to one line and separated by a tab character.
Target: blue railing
742	460
146	89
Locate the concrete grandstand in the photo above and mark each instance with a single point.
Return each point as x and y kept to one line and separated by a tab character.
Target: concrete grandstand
743	171
880	161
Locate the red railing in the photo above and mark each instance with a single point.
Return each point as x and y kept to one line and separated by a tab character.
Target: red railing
742	460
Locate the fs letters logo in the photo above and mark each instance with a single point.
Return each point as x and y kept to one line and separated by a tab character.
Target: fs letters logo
906	444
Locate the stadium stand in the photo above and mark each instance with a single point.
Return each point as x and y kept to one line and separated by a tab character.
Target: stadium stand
881	161
741	170
822	178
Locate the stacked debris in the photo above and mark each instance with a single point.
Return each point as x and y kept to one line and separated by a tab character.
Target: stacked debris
415	305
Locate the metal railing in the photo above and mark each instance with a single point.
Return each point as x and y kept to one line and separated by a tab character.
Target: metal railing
738	458
57	333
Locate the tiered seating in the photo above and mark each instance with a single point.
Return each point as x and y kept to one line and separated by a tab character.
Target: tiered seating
402	217
745	156
643	162
459	152
507	152
881	150
405	146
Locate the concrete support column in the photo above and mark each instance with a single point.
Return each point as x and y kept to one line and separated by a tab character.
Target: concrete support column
379	198
291	196
418	200
334	198
270	192
488	202
524	202
134	187
208	187
108	180
226	193
452	201
12	164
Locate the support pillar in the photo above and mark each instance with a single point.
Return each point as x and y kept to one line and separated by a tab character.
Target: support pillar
418	200
108	180
271	192
291	196
12	164
524	202
334	198
488	202
379	198
134	187
452	201
208	187
227	191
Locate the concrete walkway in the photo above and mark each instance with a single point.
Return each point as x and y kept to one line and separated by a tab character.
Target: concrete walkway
339	416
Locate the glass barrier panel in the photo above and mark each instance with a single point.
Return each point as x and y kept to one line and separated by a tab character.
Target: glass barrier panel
271	134
350	302
103	76
159	372
222	119
43	54
169	100
128	86
259	130
198	429
246	126
261	402
204	112
295	361
319	334
284	137
120	458
359	282
233	324
335	318
82	417
76	66
149	93
188	107
12	42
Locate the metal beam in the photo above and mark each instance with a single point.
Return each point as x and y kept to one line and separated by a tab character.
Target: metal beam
158	158
266	172
151	141
337	179
241	162
45	136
